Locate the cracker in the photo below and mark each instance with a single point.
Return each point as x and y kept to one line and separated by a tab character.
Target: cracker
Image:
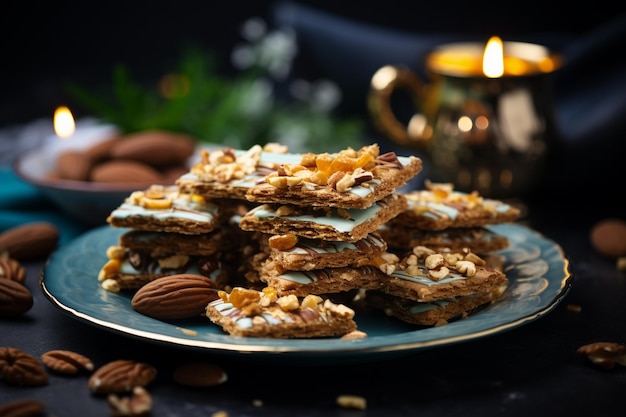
165	209
163	243
308	254
434	312
320	281
347	179
251	313
322	223
478	239
426	275
230	173
440	207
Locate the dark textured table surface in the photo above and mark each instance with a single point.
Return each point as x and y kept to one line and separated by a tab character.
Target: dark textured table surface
530	369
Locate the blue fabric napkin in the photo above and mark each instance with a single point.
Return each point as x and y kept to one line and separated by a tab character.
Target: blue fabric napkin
22	203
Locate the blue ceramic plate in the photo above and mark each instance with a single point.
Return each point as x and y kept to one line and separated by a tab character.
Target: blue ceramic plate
536	267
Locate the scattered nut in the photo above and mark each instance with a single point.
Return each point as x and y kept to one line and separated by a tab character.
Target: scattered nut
604	354
15	298
30	241
22	408
608	237
175	296
199	374
121	376
138	404
66	362
20	368
352	401
12	269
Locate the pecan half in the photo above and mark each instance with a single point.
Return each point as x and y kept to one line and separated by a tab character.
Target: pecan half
12	269
20	368
121	376
22	408
66	362
15	298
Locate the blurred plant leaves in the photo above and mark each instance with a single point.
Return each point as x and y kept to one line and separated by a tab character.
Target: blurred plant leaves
237	111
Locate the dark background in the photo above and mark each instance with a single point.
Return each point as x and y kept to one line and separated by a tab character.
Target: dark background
46	45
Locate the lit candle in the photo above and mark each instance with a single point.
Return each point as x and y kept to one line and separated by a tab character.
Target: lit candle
77	135
508	59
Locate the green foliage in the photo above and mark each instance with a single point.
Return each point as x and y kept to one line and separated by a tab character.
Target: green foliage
238	111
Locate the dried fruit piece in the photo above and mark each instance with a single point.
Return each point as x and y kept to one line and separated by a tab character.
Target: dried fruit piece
199	374
22	408
20	368
15	298
121	376
66	362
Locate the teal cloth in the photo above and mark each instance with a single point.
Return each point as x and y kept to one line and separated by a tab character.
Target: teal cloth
22	203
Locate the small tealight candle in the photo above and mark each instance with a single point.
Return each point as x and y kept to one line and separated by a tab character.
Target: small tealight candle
470	59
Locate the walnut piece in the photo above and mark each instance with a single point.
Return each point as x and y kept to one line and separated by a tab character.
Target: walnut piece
138	404
604	354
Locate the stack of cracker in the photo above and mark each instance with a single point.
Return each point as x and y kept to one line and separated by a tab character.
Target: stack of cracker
165	233
441	257
313	221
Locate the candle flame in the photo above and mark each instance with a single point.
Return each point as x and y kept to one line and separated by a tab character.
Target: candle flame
493	58
64	125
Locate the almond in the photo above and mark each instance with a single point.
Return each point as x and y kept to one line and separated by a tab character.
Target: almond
155	147
30	241
127	172
73	165
15	298
121	376
175	297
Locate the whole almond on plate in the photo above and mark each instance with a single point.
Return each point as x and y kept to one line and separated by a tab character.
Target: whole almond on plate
121	376
157	148
15	298
175	297
66	362
124	171
30	241
12	269
20	368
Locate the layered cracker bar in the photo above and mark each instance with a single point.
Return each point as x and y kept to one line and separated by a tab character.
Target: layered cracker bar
295	253
478	239
426	275
230	173
440	207
165	209
322	222
353	179
131	269
320	281
431	313
251	313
